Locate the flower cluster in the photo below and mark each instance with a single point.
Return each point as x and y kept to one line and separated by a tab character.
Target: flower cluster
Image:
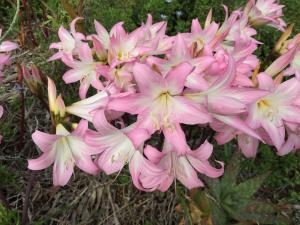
208	77
5	48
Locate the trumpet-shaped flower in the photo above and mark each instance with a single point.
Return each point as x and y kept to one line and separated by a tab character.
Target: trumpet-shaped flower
86	71
119	147
273	111
182	167
266	12
86	108
226	103
124	47
65	150
159	103
180	53
69	42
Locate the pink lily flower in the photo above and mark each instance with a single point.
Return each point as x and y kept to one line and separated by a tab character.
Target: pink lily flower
276	109
84	109
293	51
226	103
119	147
203	37
265	12
121	77
70	42
241	31
125	47
65	150
283	61
154	30
159	103
102	35
180	53
87	108
182	167
86	71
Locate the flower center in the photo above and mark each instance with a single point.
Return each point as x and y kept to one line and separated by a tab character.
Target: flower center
267	110
123	55
161	113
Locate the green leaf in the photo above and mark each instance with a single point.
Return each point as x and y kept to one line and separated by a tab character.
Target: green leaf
219	216
213	186
231	170
249	187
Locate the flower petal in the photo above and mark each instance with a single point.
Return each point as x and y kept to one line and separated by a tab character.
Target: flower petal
187	112
176	77
42	162
44	141
248	145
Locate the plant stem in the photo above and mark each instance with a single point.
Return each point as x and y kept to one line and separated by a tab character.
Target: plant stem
13	21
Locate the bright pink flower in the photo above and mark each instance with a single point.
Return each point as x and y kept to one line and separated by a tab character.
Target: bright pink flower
65	150
265	12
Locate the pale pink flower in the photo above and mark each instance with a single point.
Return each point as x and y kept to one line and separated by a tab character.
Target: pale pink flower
87	108
226	103
87	71
241	31
69	42
65	150
178	54
125	47
273	111
119	147
183	167
159	103
265	12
